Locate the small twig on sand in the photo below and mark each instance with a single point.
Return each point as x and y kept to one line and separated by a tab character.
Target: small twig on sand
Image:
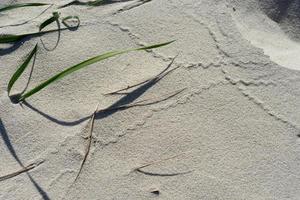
25	169
140	168
89	138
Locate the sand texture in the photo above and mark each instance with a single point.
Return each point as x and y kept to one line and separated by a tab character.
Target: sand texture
222	123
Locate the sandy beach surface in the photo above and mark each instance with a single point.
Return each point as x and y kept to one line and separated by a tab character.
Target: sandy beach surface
223	122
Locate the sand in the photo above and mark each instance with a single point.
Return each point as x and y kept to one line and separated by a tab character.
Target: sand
232	133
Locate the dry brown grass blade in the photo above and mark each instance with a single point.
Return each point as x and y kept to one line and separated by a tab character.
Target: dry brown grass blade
145	102
25	169
89	142
158	76
162	174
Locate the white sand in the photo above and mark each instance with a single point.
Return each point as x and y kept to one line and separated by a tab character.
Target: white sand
234	128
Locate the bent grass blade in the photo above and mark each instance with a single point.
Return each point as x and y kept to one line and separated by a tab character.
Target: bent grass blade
84	64
21	69
66	19
50	20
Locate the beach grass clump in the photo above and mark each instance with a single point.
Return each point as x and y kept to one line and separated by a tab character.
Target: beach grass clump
21	69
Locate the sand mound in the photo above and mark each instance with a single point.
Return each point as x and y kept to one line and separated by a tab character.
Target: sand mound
286	13
273	26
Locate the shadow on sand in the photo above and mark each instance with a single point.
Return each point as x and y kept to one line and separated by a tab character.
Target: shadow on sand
12	151
129	98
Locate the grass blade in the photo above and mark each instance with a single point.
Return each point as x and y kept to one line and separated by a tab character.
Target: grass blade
84	64
21	69
14	6
11	38
163	73
15	38
76	2
98	2
29	20
89	142
50	20
25	169
87	3
66	19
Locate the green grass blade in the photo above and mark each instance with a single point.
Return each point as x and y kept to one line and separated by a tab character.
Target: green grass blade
75	2
16	38
11	38
96	2
153	46
85	3
50	20
21	69
14	6
84	64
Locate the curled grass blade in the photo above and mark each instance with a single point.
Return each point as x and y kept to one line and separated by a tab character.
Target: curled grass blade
84	64
66	19
21	5
21	69
10	38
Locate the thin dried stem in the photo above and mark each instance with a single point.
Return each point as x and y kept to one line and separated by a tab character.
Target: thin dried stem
158	76
89	138
145	102
25	169
162	174
140	168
